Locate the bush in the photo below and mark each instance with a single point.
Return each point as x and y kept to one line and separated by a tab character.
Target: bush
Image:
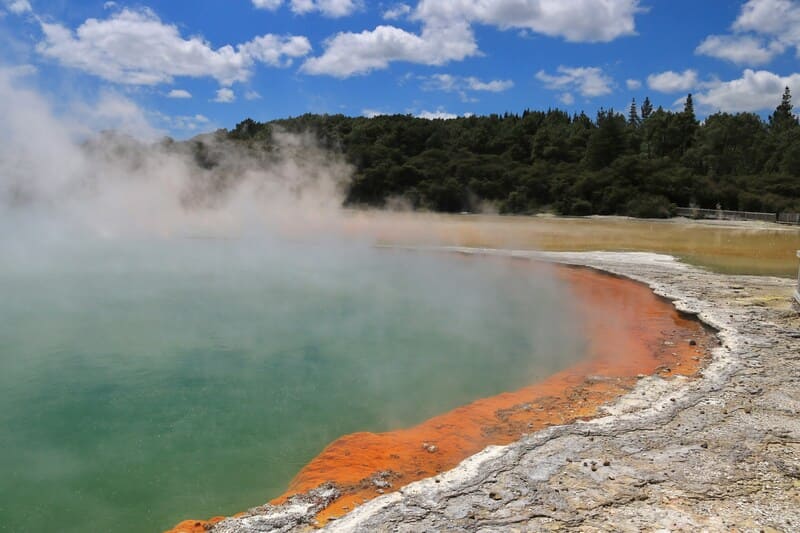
649	206
581	208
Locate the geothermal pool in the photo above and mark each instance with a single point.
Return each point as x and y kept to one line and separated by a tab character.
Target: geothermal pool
144	382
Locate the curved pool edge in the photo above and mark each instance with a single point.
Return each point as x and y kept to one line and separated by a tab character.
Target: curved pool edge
305	508
713	453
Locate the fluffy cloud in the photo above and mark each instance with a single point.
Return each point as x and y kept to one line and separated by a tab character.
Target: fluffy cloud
347	54
270	5
672	82
397	12
740	49
18	7
252	95
329	8
135	47
574	20
774	17
633	85
588	81
566	99
18	71
446	33
179	93
225	96
763	30
494	86
181	123
372	113
754	91
464	84
439	114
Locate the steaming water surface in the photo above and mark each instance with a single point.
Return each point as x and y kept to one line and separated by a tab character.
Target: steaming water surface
144	382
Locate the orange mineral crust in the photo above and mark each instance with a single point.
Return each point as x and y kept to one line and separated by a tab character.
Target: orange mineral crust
630	331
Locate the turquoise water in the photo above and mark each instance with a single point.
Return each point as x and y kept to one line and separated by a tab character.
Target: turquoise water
145	382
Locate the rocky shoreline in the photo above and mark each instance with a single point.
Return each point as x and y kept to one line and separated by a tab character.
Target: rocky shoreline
721	452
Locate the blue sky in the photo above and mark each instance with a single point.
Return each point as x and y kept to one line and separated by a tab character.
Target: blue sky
186	66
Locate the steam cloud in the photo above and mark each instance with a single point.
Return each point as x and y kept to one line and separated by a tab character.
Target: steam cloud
53	172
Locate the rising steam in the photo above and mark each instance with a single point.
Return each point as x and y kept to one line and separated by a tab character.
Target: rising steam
113	184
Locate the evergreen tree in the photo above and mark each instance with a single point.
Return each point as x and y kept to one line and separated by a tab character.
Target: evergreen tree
647	108
607	141
688	108
783	118
633	115
545	160
687	125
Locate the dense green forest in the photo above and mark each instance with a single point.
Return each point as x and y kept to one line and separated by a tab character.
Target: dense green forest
642	163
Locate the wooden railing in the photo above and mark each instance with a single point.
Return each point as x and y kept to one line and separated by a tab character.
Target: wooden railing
722	214
797	289
789	218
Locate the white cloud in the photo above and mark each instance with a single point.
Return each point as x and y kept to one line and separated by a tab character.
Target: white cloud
18	7
754	91
464	84
447	34
493	86
763	30
441	82
633	85
439	114
270	5
18	71
398	11
134	47
671	81
252	95
347	54
276	50
372	113
109	5
740	49
329	8
566	99
774	17
588	81
179	93
225	96
574	20
186	123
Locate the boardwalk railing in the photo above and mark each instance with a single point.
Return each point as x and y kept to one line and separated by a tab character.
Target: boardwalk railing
722	214
789	218
797	289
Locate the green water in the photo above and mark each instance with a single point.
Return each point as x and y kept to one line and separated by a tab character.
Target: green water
146	382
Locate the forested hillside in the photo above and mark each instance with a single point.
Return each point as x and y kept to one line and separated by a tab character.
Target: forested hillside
642	163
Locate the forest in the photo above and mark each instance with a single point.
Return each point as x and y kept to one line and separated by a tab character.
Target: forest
643	163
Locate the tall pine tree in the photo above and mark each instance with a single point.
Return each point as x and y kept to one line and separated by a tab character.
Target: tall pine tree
688	109
633	115
647	108
687	124
783	118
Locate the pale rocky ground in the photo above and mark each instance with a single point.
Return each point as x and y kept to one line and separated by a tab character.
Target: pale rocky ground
718	453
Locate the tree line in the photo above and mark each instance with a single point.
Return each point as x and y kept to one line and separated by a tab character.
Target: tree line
643	163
